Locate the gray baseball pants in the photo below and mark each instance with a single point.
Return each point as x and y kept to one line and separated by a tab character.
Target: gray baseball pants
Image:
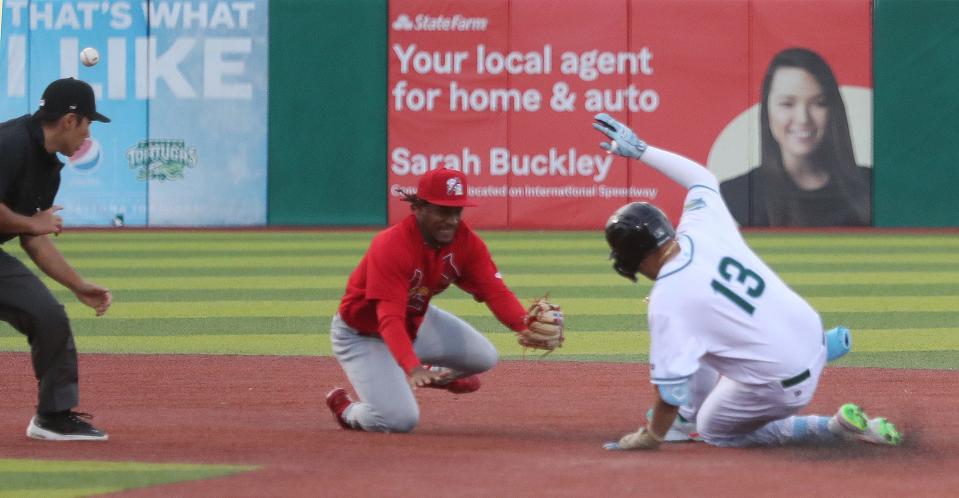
386	401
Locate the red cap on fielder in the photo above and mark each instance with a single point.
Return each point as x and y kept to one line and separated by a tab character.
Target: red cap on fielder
444	187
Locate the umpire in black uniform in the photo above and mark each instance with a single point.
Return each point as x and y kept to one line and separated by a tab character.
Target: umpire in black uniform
29	180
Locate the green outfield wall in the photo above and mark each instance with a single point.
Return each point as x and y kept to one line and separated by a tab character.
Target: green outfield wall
916	139
327	112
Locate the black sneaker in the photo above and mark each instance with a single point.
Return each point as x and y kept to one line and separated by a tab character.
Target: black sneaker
64	426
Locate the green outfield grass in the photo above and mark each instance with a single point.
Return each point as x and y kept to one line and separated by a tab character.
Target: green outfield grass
61	479
274	292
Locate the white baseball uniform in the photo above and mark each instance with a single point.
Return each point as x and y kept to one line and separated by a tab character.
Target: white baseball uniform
724	326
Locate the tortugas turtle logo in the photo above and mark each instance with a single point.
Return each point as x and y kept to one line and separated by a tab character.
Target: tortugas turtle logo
161	159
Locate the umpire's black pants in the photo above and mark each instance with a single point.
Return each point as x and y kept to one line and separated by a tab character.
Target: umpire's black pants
27	305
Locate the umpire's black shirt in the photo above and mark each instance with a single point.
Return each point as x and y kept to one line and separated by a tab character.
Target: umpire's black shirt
29	175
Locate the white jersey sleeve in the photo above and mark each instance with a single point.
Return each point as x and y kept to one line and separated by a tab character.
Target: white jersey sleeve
704	205
679	169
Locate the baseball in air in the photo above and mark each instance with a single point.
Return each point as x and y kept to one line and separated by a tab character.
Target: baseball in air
89	56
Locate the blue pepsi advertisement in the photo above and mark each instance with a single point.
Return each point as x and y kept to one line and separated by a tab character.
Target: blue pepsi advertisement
185	85
207	88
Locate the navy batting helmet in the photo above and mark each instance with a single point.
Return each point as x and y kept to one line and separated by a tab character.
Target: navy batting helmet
633	232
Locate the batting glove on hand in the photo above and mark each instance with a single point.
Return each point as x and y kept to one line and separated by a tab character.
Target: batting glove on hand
624	142
643	439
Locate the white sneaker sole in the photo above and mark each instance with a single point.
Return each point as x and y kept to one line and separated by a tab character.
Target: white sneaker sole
674	435
34	431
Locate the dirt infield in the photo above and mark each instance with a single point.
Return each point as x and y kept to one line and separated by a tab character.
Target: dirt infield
511	438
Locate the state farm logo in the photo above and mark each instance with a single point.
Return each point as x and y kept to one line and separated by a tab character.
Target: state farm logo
423	22
403	23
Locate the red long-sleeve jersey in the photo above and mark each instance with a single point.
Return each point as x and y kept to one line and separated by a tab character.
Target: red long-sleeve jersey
389	291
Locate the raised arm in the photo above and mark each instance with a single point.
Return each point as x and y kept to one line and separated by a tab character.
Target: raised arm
625	143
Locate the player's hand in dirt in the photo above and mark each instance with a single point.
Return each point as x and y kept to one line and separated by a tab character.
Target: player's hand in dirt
421	376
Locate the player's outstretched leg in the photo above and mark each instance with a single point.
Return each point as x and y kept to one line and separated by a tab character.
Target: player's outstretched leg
853	423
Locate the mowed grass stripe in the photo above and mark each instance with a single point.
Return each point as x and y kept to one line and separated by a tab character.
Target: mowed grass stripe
128	246
198	240
340	272
170	238
826	250
928	360
846	278
228	325
583	272
231	251
328	260
626	290
312	345
914	339
864	243
905	321
224	282
861	259
863	340
848	304
600	342
591	251
578	272
335	291
161	281
551	247
86	324
760	241
924	360
571	307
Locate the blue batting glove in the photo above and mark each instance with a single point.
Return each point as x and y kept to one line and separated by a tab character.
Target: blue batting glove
624	142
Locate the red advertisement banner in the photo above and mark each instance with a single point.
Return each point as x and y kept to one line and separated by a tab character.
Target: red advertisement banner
506	90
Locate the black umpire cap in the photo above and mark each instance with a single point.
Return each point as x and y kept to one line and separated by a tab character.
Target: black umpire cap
68	95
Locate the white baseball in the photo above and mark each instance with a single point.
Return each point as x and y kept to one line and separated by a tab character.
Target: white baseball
89	56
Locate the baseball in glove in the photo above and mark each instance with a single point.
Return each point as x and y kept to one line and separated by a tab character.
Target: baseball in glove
544	326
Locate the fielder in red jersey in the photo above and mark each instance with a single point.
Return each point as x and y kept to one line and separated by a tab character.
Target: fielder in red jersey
387	336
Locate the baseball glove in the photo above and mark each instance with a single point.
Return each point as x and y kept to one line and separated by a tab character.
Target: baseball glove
544	326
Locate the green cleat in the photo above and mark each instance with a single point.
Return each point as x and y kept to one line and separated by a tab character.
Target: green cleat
852	422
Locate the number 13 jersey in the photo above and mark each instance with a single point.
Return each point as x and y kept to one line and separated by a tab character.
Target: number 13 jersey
717	303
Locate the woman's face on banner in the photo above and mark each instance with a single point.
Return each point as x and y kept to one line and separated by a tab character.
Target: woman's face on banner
798	112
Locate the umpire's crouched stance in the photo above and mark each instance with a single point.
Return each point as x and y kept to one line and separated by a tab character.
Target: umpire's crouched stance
29	179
